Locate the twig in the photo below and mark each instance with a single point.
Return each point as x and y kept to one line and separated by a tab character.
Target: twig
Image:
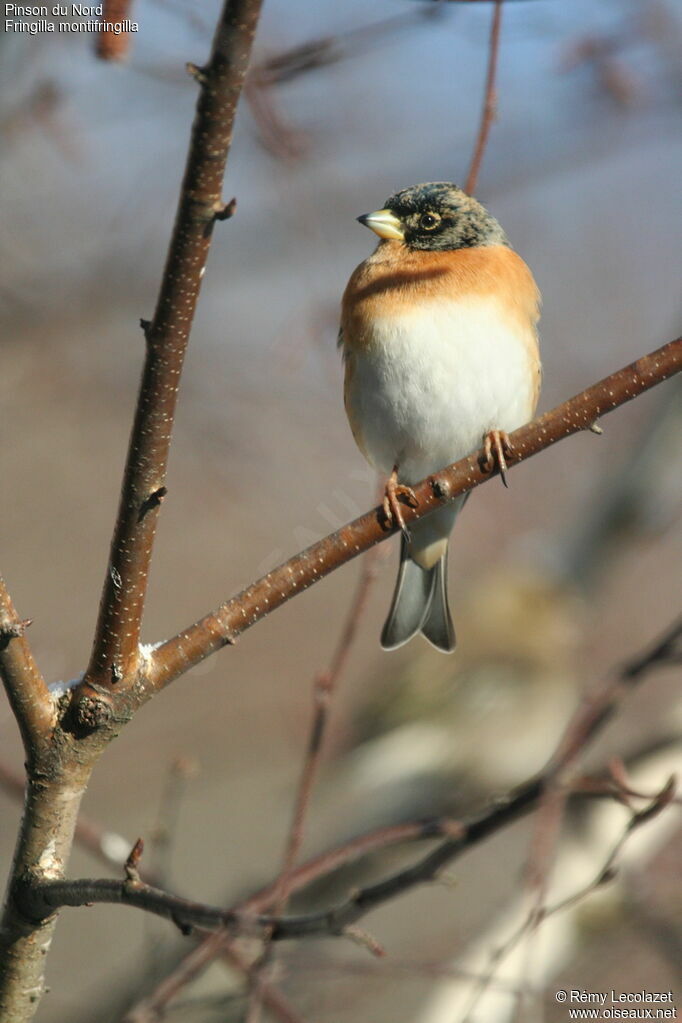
324	687
323	691
550	815
222	626
148	1012
272	997
115	650
489	111
352	851
26	690
606	873
326	50
597	709
592	713
179	771
278	137
41	900
112	45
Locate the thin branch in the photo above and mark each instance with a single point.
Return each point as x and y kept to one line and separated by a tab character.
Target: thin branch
326	50
587	722
147	1011
26	690
352	851
213	945
550	815
115	650
324	688
489	111
179	772
539	912
40	900
222	626
596	710
271	995
111	45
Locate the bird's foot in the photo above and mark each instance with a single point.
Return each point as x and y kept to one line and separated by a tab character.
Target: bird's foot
496	449
395	493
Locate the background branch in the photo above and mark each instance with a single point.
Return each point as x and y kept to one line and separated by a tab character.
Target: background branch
111	45
489	101
324	687
589	719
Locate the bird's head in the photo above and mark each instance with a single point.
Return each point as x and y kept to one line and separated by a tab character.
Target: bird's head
435	216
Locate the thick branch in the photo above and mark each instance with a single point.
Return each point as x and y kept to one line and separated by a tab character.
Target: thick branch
115	649
43	845
26	690
222	626
58	777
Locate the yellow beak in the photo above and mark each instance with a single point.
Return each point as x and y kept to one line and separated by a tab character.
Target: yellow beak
384	223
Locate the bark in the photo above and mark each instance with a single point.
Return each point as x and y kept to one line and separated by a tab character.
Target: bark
50	811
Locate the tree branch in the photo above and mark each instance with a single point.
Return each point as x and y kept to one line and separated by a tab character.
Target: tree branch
26	690
217	943
152	1010
222	626
489	102
39	900
59	773
115	650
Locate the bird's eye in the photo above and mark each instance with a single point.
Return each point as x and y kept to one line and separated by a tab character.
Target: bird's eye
428	221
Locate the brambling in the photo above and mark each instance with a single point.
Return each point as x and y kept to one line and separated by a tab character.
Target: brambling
440	345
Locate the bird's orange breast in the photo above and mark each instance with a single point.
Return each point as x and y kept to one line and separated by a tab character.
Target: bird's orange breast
396	279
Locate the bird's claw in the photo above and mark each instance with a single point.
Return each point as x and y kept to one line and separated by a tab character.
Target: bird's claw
496	449
394	493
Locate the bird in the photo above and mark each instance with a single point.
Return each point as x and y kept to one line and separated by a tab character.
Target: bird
441	355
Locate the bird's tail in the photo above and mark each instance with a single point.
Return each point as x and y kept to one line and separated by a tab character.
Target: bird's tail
420	604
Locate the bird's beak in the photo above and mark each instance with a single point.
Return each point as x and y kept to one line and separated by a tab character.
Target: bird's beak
384	223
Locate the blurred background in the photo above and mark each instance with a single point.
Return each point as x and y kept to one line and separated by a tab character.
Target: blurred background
571	571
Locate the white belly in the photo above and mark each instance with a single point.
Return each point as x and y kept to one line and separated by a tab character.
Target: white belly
428	385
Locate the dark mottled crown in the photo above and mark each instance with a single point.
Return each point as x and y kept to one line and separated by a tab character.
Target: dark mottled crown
462	222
